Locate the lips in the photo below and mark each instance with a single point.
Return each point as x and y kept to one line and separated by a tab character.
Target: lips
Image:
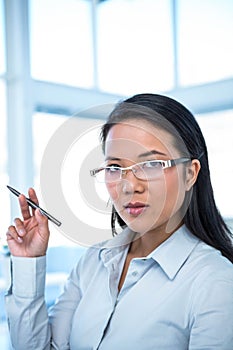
136	208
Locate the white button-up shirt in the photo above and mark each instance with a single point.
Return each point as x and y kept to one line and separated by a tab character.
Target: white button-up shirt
179	297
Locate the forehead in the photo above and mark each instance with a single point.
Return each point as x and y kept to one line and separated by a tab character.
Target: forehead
131	138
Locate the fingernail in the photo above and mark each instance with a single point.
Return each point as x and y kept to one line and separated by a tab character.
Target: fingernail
20	240
21	231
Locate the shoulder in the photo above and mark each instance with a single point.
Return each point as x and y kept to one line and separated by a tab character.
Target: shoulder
211	262
212	283
205	267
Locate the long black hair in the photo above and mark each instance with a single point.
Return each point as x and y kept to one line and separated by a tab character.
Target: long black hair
202	217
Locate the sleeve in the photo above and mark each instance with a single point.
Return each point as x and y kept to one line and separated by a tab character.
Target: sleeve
212	326
61	314
31	326
25	305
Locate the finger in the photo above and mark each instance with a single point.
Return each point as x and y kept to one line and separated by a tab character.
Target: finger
19	227
13	235
33	197
24	207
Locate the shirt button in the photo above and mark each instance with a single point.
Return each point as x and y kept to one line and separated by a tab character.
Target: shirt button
134	274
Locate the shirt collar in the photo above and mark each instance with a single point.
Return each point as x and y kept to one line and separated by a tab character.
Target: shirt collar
110	248
172	254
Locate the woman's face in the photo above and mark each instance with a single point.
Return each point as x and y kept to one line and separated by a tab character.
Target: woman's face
145	205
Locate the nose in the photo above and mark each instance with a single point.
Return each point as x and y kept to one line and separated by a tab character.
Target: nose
127	187
130	183
128	171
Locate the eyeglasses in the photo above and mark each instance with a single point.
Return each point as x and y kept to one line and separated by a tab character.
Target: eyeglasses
148	170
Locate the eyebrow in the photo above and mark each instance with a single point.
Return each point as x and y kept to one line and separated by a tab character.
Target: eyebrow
146	154
149	153
112	158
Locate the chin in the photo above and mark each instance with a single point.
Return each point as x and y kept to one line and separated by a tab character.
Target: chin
139	225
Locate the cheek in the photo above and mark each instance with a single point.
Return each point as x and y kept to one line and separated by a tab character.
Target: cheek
113	191
175	186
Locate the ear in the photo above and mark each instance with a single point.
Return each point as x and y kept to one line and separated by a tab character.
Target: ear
192	172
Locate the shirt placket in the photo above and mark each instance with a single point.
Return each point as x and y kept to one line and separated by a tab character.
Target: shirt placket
137	268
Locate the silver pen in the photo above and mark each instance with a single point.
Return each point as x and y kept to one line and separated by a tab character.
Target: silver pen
35	206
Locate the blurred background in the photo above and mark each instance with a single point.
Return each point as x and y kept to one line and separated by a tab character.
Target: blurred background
58	57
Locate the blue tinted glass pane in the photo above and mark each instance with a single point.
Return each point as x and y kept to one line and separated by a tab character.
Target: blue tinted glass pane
61	45
205	30
2	40
218	130
135	50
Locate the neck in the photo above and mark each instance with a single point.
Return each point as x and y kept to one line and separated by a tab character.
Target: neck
150	240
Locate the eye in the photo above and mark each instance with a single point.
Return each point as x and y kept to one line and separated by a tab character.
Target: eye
111	168
114	165
152	164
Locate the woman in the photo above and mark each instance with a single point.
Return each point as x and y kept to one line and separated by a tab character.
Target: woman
166	281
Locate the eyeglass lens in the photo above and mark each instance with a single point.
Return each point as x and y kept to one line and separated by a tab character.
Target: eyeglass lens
145	171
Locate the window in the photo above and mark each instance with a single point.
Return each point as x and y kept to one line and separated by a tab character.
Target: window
134	46
217	129
205	40
2	41
5	198
61	45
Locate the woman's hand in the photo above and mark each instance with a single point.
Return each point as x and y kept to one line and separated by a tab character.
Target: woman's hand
29	237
